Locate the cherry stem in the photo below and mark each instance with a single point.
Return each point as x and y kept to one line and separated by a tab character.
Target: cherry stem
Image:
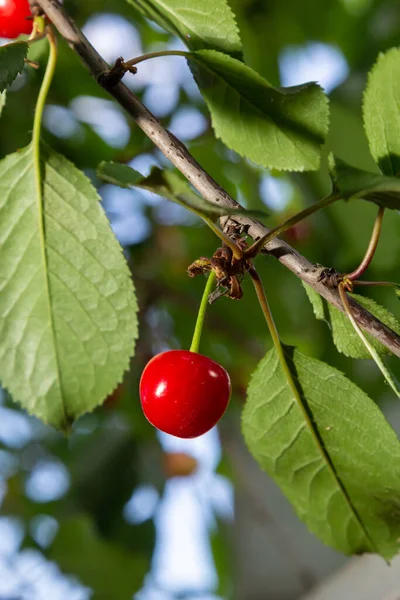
259	244
202	313
262	298
372	246
237	253
135	61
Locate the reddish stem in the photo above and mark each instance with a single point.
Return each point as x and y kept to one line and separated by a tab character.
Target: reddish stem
372	246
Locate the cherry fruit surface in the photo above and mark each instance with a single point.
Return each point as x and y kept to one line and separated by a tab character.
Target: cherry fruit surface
15	18
184	393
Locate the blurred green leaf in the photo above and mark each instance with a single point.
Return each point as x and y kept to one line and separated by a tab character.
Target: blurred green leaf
12	62
104	479
338	470
381	111
67	304
108	569
272	33
276	128
355	183
172	186
222	554
3	97
119	174
346	137
201	24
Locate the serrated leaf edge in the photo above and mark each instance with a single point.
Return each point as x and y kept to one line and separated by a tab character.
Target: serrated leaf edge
381	56
284	91
315	434
9	80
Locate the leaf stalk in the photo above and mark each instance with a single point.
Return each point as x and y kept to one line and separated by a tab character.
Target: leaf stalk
372	246
374	354
262	298
259	244
128	64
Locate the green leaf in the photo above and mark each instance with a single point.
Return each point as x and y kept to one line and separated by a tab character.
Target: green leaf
201	24
12	62
3	97
276	128
67	304
119	174
388	375
381	111
316	301
345	338
109	569
171	185
355	183
334	456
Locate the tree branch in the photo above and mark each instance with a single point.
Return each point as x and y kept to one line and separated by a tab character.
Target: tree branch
181	158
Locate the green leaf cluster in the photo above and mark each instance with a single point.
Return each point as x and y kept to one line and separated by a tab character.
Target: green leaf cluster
68	310
173	186
200	25
277	128
329	447
381	113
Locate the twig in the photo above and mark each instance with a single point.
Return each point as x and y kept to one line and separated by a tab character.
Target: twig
181	158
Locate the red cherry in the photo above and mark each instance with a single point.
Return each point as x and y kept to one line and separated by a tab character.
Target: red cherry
14	18
184	393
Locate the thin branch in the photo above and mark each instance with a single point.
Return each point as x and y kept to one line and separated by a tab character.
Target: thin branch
181	158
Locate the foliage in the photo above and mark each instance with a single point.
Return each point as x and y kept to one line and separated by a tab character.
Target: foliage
343	335
381	97
276	128
11	62
201	26
319	454
171	185
68	306
354	183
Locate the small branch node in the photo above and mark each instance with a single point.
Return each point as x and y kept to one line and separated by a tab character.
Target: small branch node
330	277
111	78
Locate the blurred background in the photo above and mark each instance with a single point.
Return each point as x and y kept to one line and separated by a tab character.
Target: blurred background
118	511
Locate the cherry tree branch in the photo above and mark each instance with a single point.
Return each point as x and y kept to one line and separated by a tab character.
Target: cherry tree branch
181	158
